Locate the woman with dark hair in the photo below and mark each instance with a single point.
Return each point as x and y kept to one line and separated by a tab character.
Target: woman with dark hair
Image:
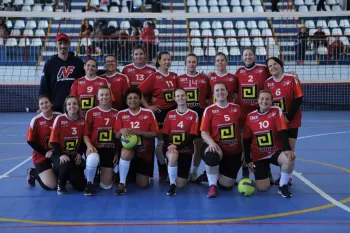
161	86
38	138
142	123
67	141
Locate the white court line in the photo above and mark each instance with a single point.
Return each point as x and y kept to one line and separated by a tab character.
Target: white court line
5	175
314	187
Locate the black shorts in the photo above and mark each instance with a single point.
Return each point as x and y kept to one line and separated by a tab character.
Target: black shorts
106	157
161	116
43	166
142	166
229	164
293	133
262	167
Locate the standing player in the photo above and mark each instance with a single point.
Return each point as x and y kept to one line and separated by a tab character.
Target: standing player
100	141
141	122
118	82
85	88
161	85
288	95
67	141
197	89
60	72
251	80
179	130
38	138
222	149
138	71
222	75
266	142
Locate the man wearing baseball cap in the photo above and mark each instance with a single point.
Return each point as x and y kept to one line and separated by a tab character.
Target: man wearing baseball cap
60	72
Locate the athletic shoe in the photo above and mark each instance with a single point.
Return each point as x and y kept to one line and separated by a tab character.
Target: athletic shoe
89	189
121	189
284	191
30	178
212	191
202	178
172	190
290	184
61	189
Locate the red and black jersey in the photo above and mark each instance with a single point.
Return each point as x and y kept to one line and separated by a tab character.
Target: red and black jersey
222	123
263	129
137	75
197	89
68	133
144	120
161	87
99	126
39	131
250	82
231	83
178	126
118	84
86	91
284	92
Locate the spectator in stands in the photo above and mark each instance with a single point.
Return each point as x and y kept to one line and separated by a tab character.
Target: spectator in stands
301	45
147	36
86	28
67	5
320	38
155	46
4	31
10	7
274	7
320	5
335	49
124	46
60	72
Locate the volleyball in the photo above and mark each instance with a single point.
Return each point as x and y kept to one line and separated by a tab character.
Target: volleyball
129	141
246	187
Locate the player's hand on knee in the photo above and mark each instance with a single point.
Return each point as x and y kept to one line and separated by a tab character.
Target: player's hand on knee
171	147
64	159
213	147
91	150
49	154
77	159
251	166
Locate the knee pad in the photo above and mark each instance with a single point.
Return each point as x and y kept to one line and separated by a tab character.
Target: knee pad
212	159
92	160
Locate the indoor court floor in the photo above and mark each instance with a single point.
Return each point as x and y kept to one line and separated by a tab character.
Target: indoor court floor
320	202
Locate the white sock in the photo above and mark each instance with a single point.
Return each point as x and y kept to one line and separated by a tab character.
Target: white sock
194	169
124	166
212	179
284	178
90	173
172	171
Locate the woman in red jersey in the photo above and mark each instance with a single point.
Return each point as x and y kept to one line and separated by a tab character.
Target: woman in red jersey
266	142
141	122
85	88
38	138
161	86
222	149
180	129
67	141
198	92
222	75
100	141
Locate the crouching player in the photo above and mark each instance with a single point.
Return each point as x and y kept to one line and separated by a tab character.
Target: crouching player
222	150
179	129
100	141
266	142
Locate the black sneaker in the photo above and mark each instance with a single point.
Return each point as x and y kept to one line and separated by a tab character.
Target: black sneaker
284	191
290	184
89	189
121	189
30	178
61	189
172	190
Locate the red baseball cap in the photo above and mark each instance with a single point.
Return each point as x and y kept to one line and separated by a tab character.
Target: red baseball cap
62	36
